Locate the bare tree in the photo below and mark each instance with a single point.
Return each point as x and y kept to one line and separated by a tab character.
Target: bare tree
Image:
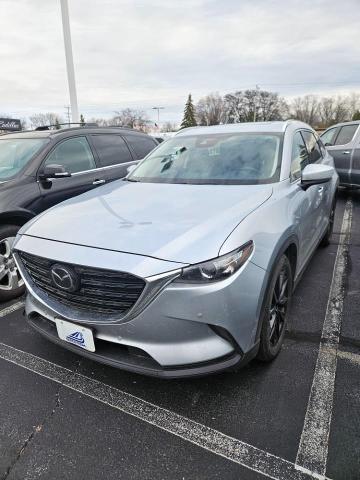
254	105
271	107
102	122
169	127
354	104
334	110
130	118
43	119
211	110
305	109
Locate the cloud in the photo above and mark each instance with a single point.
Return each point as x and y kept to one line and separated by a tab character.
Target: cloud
146	53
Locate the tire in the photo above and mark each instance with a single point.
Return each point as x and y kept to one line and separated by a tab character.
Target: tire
11	284
327	237
275	311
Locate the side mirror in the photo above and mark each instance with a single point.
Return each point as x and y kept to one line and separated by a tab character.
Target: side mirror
314	174
131	168
54	171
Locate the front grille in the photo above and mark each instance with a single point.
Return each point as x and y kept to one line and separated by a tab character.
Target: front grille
100	291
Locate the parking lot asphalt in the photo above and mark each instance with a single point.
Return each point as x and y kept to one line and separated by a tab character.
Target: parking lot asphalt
65	417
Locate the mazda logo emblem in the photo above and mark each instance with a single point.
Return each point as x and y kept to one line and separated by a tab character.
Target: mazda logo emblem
64	277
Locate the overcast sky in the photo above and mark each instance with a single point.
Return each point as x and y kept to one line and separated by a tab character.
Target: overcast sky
138	54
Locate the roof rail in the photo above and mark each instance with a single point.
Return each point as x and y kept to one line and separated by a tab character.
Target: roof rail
54	126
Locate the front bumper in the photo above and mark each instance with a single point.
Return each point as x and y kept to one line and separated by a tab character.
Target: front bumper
178	333
136	361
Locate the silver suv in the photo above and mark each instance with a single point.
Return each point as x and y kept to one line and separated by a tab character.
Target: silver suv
188	265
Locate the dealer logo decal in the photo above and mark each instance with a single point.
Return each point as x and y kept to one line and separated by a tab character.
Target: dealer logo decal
77	338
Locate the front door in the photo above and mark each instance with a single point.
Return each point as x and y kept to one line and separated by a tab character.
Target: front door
75	155
307	204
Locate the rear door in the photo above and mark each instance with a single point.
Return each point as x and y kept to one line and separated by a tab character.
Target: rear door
114	155
141	145
341	151
76	156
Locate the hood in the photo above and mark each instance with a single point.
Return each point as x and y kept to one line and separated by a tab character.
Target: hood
180	223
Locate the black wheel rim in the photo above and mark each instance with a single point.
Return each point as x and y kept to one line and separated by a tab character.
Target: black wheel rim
332	216
278	307
331	222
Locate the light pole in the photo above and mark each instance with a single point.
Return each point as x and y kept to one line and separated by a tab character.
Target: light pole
69	60
158	110
255	102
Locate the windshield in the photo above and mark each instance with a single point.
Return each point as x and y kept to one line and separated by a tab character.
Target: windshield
235	158
15	153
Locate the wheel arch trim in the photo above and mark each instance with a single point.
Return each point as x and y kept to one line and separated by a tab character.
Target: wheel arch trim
279	251
16	217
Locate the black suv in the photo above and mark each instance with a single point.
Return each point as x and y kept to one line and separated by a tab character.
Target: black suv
39	169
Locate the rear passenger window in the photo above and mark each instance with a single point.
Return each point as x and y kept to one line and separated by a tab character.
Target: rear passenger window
111	149
141	144
312	146
346	134
299	157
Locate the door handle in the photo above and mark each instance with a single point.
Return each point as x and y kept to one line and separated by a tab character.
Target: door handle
346	152
98	182
320	189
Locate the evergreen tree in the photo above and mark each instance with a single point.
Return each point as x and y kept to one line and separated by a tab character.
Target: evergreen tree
57	124
82	120
356	115
189	114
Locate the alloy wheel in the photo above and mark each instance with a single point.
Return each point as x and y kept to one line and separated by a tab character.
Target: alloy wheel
278	308
10	278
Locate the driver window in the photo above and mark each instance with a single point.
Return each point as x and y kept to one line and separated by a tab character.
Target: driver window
73	154
299	157
328	137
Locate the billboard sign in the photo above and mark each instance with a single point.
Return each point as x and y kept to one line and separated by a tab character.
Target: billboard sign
10	124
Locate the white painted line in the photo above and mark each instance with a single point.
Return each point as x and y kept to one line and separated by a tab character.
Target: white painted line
352	357
205	437
313	448
11	308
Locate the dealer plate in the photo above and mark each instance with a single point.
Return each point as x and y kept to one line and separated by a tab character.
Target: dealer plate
75	334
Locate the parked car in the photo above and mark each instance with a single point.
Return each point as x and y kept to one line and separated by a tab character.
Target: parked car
187	266
343	143
39	169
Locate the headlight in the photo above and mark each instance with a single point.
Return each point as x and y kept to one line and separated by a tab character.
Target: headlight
218	268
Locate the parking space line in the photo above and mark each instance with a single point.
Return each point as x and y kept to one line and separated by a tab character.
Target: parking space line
313	448
239	452
11	308
351	357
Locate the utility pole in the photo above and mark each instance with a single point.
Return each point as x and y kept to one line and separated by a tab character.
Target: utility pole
69	60
158	110
67	113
